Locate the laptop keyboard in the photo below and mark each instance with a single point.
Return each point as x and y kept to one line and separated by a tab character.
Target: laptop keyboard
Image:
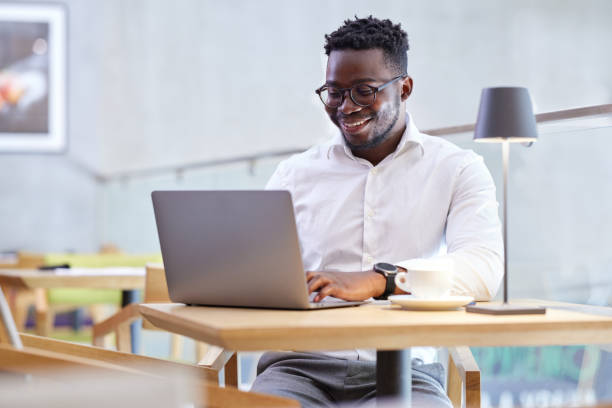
329	301
326	300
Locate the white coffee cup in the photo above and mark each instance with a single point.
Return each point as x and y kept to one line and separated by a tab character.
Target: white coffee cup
426	278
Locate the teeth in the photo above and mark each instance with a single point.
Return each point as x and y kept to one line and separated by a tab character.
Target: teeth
355	124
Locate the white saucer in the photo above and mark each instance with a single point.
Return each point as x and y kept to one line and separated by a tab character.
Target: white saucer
441	303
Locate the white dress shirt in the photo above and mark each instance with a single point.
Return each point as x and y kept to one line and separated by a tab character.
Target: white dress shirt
428	199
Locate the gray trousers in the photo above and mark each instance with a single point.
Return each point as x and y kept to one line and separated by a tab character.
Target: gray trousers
317	380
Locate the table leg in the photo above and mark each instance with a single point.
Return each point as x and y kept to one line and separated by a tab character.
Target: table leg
394	377
127	297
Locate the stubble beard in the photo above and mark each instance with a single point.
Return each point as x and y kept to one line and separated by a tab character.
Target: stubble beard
382	131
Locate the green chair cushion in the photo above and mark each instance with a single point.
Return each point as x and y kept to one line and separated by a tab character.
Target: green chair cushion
81	297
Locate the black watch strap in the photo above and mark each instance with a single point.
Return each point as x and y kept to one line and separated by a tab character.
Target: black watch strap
388	271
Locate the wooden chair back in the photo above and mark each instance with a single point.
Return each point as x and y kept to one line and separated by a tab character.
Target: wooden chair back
155	290
29	260
156	287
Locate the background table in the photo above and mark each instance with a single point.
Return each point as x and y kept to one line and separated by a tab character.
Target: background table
91	278
379	326
127	279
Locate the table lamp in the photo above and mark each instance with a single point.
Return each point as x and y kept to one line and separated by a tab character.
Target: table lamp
505	116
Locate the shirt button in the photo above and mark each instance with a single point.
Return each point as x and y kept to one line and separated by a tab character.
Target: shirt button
370	259
374	170
370	213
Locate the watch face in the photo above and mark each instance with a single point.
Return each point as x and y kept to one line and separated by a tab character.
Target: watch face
385	267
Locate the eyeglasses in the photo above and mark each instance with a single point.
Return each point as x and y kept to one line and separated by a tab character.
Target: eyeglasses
361	94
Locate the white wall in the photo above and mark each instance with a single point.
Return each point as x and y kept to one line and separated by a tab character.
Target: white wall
46	205
176	81
155	82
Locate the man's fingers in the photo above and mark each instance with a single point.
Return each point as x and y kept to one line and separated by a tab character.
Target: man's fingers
328	290
316	282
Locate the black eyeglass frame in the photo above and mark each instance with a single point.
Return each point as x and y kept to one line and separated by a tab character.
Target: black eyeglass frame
375	90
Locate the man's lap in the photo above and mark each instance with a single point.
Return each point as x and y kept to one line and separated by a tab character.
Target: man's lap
317	380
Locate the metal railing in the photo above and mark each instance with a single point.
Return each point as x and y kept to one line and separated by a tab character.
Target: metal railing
178	169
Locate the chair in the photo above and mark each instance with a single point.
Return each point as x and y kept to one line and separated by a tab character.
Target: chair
48	302
119	323
156	291
48	358
21	299
94	299
463	379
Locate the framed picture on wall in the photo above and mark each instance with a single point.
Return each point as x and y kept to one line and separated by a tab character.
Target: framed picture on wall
32	78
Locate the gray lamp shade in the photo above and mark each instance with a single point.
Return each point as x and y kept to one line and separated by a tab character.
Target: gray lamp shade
505	114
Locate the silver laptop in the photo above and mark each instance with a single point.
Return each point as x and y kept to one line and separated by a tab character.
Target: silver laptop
233	248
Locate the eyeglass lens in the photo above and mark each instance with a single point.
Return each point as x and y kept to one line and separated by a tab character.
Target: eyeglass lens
361	94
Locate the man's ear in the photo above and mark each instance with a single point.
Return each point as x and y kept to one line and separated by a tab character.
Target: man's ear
406	88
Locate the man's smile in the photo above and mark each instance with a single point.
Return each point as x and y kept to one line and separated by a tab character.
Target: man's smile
354	124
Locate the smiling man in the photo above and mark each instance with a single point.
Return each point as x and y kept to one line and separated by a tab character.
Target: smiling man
379	196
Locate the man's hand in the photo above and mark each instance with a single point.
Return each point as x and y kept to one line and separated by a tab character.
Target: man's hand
351	286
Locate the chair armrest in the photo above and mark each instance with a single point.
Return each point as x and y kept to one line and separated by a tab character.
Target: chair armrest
48	354
49	364
217	358
129	360
463	377
118	323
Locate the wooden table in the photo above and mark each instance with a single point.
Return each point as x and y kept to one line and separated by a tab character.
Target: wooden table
90	278
384	327
128	279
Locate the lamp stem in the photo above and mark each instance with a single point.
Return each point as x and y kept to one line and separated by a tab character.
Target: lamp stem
506	158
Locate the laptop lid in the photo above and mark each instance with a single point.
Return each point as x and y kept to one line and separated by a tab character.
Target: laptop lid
231	248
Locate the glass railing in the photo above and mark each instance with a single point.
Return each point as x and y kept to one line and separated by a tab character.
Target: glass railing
559	224
558	217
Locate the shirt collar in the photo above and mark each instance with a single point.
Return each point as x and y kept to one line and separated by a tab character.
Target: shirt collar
411	137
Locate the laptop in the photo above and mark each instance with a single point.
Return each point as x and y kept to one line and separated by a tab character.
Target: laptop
233	248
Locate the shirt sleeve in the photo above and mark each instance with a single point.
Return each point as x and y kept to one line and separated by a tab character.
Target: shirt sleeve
473	234
278	180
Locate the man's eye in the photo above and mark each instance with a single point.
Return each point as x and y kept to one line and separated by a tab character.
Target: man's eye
364	90
334	93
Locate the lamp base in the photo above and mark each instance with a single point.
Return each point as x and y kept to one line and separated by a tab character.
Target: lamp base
505	309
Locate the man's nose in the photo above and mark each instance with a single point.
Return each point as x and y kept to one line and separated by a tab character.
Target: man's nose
348	106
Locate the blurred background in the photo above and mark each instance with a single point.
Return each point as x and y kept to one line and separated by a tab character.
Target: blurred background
199	94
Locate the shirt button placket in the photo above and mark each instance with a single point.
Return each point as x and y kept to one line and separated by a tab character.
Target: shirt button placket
368	259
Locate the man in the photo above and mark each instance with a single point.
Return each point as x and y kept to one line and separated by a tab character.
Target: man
379	192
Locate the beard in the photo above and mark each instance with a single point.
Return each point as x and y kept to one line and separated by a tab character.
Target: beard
382	129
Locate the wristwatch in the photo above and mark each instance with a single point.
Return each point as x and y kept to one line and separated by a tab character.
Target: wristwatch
388	271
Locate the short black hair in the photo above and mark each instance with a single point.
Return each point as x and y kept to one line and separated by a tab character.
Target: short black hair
369	33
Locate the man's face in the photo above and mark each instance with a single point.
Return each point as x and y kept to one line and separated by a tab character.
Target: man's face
363	127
